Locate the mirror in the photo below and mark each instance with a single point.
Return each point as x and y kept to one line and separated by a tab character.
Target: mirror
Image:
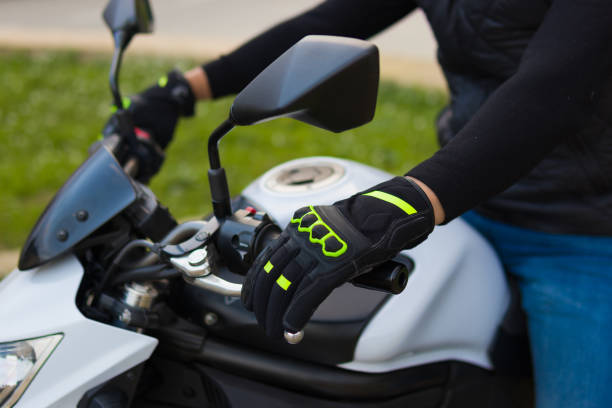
125	18
329	82
128	17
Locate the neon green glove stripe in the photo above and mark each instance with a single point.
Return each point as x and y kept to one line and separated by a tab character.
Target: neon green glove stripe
268	267
283	282
398	202
320	241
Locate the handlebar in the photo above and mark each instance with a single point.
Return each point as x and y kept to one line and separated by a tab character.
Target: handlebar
390	277
191	257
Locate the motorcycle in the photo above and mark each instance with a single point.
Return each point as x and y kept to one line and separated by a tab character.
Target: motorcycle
115	304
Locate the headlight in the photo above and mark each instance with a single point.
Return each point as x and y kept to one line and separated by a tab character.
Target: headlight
19	363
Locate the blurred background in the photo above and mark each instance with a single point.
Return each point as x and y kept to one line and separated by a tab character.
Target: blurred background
54	100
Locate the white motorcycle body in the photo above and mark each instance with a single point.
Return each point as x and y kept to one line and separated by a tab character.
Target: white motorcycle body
450	310
41	302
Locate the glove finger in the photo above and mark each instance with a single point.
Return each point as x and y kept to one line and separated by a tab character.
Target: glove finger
246	294
267	277
309	294
247	287
282	292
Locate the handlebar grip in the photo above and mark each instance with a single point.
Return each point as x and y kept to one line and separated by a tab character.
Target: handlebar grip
390	277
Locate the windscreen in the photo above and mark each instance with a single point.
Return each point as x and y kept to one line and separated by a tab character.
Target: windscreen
97	191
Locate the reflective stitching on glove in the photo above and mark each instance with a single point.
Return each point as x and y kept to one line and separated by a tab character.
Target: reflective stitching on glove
391	199
320	233
283	282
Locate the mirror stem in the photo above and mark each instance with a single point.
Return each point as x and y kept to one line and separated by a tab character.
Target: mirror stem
120	42
213	142
219	190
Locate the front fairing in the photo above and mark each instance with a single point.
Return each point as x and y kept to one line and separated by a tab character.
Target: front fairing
97	191
40	302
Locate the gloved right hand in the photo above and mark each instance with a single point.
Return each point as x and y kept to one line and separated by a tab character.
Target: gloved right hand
325	246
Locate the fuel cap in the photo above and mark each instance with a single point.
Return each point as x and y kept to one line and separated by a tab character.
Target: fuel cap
304	177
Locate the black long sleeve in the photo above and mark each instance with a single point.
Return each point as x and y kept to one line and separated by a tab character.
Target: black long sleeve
552	96
349	18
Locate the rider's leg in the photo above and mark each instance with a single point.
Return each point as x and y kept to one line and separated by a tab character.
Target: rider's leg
566	288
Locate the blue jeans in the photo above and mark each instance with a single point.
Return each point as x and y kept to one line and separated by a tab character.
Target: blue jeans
566	289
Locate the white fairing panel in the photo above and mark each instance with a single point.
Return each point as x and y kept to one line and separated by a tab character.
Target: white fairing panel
40	302
450	310
453	302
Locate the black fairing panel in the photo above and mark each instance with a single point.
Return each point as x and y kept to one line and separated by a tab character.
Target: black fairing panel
97	191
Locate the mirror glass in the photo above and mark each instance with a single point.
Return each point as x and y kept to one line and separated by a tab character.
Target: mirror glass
129	17
329	82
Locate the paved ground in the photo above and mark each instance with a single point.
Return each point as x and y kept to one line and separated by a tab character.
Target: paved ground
201	28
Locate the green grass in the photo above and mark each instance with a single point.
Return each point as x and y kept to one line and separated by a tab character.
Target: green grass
54	104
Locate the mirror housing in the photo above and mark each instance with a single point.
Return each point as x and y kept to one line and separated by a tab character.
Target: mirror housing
125	18
326	81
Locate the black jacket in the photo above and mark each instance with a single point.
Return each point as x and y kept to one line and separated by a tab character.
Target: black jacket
481	44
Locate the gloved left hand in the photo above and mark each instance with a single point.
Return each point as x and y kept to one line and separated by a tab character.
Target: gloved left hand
136	144
325	246
154	114
158	108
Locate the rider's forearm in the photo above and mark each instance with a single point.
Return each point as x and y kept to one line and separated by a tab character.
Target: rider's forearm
351	18
198	80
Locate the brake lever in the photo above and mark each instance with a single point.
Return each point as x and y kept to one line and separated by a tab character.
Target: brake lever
218	285
197	271
215	284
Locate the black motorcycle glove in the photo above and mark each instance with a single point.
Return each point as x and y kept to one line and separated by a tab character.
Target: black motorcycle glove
154	114
157	109
325	246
